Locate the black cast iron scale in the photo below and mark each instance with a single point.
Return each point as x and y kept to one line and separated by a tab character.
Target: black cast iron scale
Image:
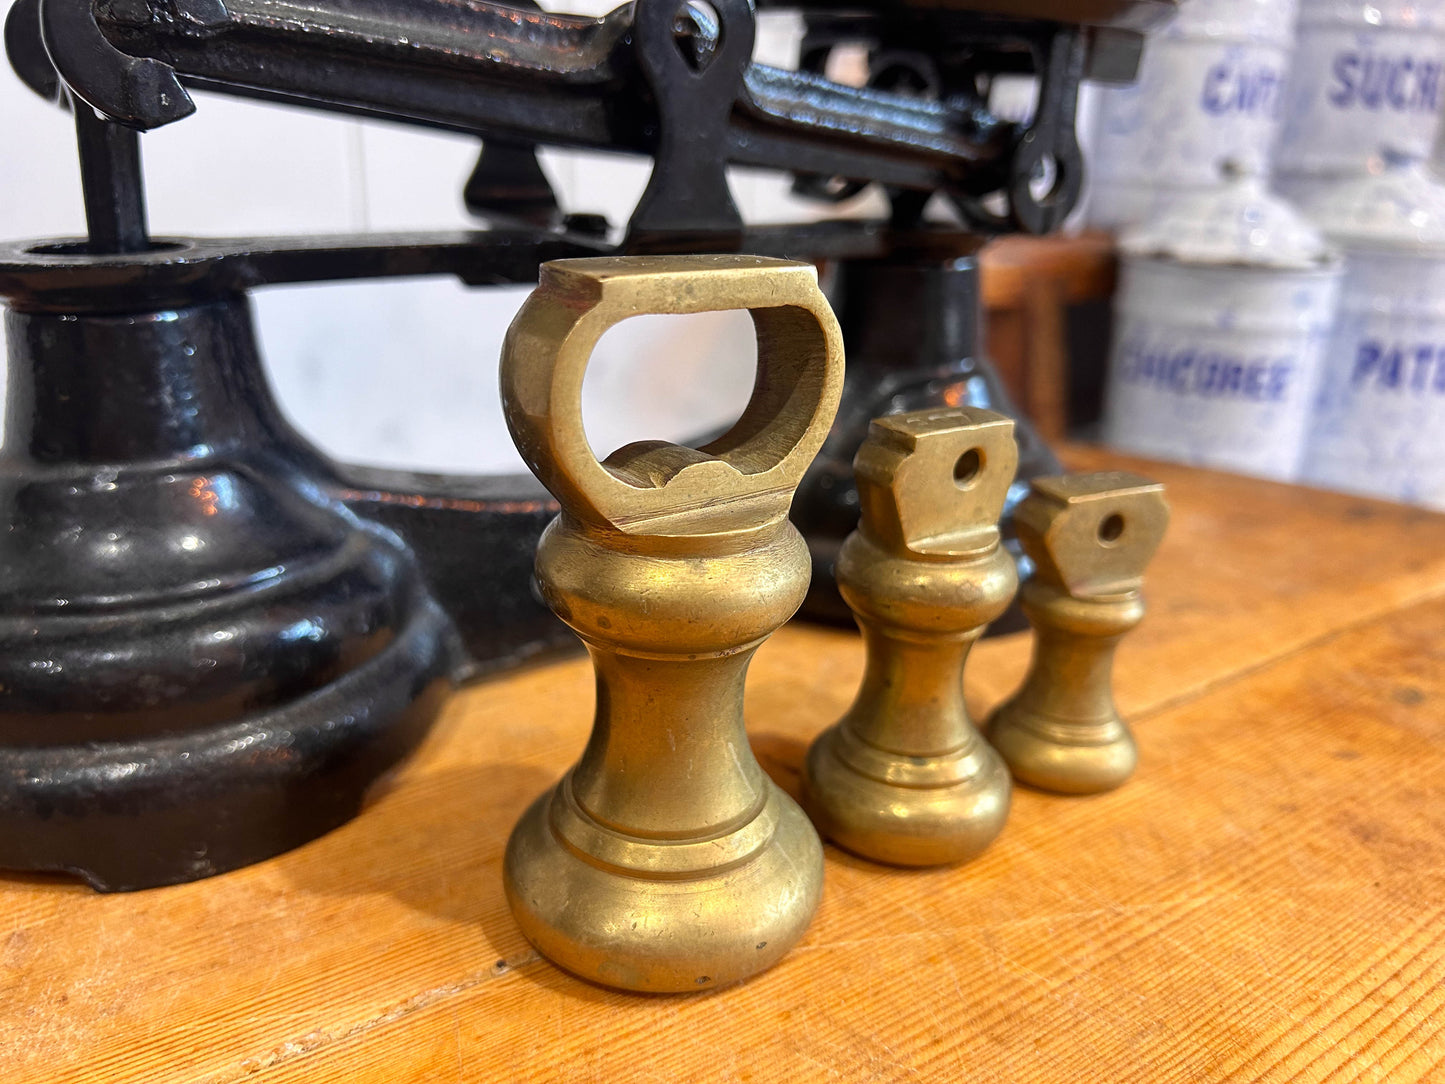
212	637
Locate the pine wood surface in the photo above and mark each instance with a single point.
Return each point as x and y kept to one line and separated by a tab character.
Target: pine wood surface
1263	901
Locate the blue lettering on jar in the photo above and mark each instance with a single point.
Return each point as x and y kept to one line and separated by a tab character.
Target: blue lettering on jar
1204	373
1414	368
1252	91
1375	82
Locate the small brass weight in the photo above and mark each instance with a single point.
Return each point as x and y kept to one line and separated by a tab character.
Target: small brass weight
666	860
904	777
1090	537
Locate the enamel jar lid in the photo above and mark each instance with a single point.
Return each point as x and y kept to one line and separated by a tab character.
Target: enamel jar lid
1239	224
1423	15
1401	209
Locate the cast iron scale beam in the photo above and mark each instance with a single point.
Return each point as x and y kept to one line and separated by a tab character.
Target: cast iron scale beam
212	637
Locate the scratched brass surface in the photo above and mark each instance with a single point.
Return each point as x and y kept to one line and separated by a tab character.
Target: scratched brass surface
904	777
1090	536
666	860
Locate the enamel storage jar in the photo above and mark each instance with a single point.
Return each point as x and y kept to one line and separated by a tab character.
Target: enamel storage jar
1367	78
1221	319
1379	423
1209	92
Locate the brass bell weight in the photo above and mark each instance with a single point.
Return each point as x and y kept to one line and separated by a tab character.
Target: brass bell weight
905	777
666	860
1090	537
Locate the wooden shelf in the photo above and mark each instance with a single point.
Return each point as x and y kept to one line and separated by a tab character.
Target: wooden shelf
1262	902
1025	286
1079	267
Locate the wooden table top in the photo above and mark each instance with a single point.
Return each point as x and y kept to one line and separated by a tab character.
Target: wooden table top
1263	901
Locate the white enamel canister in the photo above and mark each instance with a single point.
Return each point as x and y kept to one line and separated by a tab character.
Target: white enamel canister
1220	323
1209	91
1379	422
1368	76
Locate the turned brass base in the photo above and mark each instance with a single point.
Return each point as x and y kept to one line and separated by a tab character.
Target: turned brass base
905	811
662	916
1067	758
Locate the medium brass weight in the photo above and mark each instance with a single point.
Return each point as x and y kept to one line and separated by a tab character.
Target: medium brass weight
1090	537
666	860
905	777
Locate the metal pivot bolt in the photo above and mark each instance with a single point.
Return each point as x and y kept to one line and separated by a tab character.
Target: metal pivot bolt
666	860
1090	537
904	777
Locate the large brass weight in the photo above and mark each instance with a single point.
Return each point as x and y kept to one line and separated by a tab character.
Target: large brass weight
666	860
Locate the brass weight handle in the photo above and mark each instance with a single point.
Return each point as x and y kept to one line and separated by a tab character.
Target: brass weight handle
654	488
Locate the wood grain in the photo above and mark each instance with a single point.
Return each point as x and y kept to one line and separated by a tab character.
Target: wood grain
1262	902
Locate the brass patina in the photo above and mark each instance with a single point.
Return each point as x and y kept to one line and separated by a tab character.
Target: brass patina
905	777
666	860
1090	537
